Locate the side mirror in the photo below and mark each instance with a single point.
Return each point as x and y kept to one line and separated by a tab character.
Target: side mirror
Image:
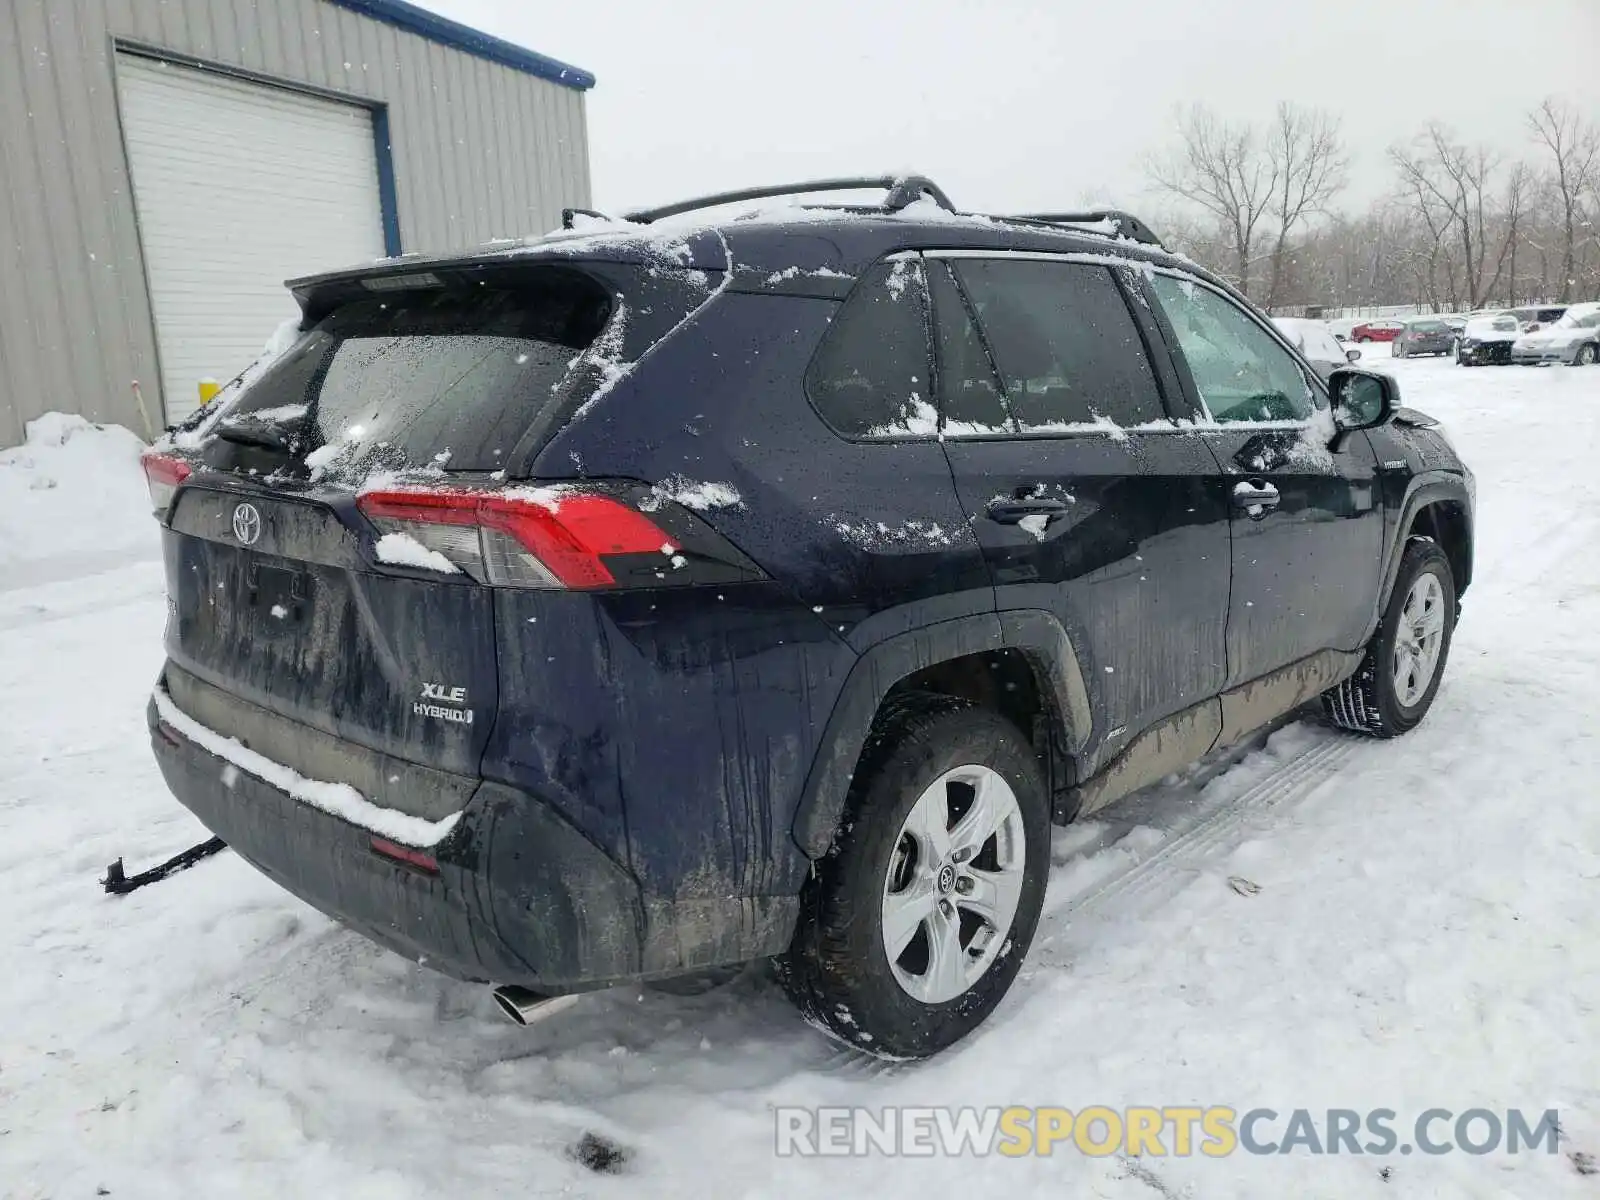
1530	327
1362	399
1352	354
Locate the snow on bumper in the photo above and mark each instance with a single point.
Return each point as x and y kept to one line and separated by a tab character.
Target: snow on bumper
520	896
336	799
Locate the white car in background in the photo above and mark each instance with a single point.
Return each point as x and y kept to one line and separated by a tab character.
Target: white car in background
1574	339
1316	341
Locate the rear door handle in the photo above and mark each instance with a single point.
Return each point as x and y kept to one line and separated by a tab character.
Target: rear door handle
1013	511
1256	500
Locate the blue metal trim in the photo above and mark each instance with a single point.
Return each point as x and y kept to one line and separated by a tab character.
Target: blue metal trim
463	37
388	195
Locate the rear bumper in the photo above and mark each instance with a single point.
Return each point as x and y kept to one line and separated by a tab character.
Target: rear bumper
521	896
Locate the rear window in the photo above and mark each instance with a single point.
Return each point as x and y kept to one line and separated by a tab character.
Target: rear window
449	378
1428	327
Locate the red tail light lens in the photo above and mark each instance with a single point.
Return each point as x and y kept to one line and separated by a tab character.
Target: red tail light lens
163	473
537	537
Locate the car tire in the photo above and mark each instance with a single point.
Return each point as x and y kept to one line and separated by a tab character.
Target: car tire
1587	356
1382	699
876	877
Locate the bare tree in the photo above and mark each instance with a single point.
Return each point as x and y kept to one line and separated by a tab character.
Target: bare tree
1225	170
1424	253
1309	167
1450	182
1467	225
1574	148
1513	209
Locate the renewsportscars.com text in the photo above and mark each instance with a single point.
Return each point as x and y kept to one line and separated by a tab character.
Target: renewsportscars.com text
1141	1131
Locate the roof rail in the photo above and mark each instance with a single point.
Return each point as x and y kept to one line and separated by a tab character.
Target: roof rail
1127	224
569	216
902	190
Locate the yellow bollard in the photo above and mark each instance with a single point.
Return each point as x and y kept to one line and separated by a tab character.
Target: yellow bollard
208	390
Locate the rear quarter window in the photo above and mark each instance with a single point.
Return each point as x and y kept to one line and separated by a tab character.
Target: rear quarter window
870	377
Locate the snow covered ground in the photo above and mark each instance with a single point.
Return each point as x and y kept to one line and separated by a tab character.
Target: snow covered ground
1426	933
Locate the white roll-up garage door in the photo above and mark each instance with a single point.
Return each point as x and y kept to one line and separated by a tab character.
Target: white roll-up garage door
238	186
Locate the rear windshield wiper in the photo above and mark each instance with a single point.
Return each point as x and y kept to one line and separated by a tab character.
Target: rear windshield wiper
254	435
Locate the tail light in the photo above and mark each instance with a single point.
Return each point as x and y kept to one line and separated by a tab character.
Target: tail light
530	538
163	473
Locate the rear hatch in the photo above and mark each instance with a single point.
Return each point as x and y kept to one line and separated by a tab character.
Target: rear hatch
339	527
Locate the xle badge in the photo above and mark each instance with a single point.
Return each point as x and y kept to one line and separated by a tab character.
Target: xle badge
438	700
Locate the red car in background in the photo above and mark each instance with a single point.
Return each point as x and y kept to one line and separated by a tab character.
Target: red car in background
1377	331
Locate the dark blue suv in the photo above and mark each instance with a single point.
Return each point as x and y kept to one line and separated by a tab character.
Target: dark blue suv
641	601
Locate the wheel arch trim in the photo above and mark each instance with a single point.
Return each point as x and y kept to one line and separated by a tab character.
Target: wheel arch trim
1434	487
1037	634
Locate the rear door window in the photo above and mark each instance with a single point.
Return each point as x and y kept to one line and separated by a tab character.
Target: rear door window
1067	348
1240	370
970	394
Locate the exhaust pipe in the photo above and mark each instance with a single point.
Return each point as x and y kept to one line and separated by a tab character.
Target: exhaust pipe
523	1006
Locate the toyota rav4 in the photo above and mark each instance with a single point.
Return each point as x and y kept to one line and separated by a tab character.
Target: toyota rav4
665	595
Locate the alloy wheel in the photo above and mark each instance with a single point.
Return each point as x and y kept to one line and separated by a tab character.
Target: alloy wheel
1418	638
953	883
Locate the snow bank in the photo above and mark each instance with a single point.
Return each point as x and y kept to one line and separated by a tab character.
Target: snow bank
74	489
336	799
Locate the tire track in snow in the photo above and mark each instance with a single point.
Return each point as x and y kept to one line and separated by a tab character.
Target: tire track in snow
1194	838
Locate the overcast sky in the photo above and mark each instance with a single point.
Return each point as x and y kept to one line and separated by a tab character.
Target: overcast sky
1017	104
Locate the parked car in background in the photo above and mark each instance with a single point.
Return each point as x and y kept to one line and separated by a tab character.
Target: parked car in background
1317	342
1538	316
1377	331
1456	321
1488	340
1574	339
1424	335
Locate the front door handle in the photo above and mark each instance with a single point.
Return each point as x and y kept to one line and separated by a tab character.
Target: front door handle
1014	511
1255	500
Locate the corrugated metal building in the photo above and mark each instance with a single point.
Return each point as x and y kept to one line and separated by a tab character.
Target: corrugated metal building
166	164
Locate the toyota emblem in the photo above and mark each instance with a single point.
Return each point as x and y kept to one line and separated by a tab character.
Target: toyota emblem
247	523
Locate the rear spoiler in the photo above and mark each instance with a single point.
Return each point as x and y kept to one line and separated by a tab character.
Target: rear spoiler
318	295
